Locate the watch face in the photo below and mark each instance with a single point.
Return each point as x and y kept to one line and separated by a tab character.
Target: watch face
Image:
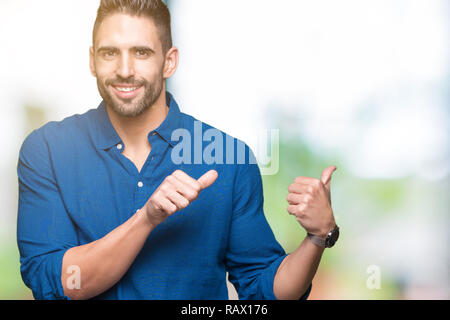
332	237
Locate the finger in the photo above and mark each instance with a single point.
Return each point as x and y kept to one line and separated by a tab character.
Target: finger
177	199
183	188
296	210
326	176
292	209
167	206
188	180
208	179
300	188
306	180
293	198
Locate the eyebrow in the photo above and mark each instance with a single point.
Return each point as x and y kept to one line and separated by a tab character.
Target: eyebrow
144	48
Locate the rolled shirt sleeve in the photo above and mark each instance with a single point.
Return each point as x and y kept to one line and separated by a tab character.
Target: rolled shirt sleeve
253	254
44	229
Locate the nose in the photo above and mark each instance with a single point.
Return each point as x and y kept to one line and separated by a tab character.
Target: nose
125	69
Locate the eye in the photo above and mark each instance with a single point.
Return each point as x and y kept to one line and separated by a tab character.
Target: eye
109	53
141	52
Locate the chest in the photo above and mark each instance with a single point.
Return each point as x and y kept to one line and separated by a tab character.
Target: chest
102	192
138	157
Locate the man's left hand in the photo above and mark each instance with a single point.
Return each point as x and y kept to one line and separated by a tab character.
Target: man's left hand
310	203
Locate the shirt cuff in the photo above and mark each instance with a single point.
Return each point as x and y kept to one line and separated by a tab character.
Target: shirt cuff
58	270
54	269
306	295
269	277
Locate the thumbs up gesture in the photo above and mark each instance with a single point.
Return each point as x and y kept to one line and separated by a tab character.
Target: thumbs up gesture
175	193
310	202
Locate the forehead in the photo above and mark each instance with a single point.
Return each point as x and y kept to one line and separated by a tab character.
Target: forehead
126	31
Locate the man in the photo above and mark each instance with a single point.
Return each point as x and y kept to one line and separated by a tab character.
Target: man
105	212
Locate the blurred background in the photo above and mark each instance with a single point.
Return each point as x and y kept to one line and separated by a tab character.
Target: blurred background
360	84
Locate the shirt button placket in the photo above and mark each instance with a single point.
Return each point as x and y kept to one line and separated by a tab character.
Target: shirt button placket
140	195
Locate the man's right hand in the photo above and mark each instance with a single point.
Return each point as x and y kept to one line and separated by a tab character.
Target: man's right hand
175	193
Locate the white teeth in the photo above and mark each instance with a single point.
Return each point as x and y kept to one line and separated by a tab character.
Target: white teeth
126	89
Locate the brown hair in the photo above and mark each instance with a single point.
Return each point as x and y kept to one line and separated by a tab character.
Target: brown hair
153	9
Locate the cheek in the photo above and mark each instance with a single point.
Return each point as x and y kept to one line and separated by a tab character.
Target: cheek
104	71
151	76
149	69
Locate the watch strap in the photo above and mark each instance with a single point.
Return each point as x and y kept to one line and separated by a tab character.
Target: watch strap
321	242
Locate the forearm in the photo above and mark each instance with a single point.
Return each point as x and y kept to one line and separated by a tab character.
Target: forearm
104	262
297	270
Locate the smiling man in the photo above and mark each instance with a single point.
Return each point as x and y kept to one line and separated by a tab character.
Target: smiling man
105	213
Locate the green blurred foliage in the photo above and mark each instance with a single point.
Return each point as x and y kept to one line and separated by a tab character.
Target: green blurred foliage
36	117
11	284
378	197
358	205
296	159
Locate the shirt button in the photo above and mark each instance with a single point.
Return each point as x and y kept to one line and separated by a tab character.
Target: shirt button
140	184
119	146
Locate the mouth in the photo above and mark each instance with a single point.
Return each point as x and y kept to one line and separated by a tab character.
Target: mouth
126	91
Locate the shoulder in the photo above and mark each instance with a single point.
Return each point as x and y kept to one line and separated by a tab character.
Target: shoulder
68	129
219	147
55	136
216	145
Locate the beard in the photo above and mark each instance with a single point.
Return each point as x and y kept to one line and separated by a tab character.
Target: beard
126	107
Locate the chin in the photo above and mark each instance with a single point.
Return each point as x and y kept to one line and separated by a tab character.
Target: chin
131	110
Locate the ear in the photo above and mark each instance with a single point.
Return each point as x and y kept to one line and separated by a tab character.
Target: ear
92	61
171	64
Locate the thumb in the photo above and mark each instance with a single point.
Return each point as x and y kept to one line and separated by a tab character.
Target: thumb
208	179
326	176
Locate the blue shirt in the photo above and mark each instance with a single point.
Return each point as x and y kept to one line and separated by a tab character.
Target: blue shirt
76	186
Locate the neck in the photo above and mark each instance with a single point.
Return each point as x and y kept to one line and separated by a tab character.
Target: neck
134	131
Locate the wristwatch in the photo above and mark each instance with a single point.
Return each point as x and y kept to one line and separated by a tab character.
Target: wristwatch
327	242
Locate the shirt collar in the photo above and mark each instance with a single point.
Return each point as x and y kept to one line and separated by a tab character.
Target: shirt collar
107	136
